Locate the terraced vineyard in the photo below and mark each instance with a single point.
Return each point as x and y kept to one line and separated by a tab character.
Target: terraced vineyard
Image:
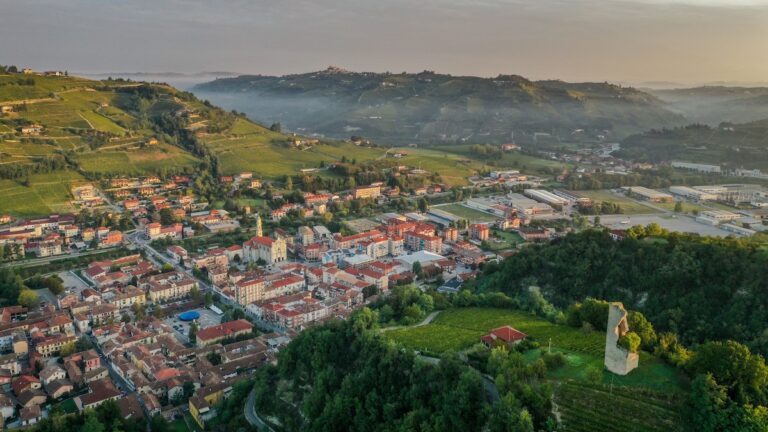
589	408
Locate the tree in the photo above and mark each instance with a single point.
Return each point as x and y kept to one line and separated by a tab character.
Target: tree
195	294
28	298
416	269
158	424
208	299
732	365
289	183
167	268
678	207
423	205
192	333
92	423
139	311
214	358
640	325
276	127
68	348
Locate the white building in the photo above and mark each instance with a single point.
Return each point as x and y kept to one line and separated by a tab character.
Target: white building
546	197
704	168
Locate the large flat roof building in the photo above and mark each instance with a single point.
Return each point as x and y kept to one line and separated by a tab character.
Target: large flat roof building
546	197
647	194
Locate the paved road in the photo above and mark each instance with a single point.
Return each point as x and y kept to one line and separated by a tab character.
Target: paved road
250	413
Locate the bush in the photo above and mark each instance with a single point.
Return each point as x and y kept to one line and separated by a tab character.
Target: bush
630	342
553	360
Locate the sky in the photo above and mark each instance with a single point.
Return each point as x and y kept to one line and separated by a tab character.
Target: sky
681	41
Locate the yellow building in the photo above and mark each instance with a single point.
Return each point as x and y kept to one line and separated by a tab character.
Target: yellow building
367	192
202	405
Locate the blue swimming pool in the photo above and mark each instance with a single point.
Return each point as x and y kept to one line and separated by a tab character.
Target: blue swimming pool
189	315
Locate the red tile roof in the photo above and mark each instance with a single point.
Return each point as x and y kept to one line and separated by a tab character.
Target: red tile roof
224	330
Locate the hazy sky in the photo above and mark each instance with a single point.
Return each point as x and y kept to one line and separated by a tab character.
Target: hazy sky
687	41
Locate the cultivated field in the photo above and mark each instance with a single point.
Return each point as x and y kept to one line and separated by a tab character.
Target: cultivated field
136	162
647	399
47	193
588	408
458	329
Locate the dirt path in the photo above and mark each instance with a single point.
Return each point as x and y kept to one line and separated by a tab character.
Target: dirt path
426	321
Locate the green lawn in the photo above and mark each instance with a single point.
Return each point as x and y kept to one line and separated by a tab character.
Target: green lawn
629	206
68	406
467	213
500	240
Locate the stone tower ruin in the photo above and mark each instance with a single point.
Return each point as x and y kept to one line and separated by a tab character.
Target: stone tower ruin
617	359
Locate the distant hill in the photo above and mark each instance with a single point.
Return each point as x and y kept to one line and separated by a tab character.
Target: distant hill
56	131
438	108
715	104
730	145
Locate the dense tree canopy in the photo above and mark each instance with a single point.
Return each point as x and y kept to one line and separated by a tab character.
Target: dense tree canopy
700	288
345	377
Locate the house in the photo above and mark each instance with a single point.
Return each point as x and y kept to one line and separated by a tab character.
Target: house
58	388
30	397
130	407
503	336
101	391
52	373
25	382
7	406
30	415
202	404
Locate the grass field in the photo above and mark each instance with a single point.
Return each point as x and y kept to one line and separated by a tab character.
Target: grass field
467	213
265	152
500	240
47	193
629	206
525	163
454	168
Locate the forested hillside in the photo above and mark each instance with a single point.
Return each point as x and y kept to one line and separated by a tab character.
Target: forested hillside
713	105
436	108
344	376
700	288
729	145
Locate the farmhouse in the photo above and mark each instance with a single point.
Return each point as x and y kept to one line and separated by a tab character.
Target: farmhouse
503	336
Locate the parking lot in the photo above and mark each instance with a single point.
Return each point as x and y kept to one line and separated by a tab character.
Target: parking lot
207	319
679	223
